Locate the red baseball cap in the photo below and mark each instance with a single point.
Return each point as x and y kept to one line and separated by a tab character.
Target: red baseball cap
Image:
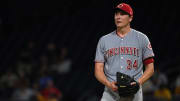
126	8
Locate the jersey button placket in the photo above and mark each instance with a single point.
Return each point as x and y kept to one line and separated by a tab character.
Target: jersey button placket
121	66
121	41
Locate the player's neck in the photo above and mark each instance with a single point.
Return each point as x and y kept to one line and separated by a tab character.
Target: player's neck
123	31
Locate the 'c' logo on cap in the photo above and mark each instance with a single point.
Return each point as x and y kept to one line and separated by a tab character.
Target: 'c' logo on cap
121	5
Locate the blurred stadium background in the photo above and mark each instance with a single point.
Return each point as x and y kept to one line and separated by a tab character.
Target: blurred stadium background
43	41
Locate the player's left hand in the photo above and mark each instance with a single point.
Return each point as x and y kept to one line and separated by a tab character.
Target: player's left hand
139	81
127	86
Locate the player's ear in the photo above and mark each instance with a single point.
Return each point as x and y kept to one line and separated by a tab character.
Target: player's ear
130	18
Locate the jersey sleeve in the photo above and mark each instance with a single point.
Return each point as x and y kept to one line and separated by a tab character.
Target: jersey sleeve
99	56
147	49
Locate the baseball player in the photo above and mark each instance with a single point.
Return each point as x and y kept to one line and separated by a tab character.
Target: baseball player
124	50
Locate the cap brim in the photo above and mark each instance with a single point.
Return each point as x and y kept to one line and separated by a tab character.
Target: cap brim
120	10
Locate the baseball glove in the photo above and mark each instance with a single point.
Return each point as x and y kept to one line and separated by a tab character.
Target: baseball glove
125	88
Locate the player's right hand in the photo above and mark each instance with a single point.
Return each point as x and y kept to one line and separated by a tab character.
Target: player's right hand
112	86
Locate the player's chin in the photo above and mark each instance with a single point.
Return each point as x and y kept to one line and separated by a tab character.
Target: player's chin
119	26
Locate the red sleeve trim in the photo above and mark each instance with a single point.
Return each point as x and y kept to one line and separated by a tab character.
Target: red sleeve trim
148	61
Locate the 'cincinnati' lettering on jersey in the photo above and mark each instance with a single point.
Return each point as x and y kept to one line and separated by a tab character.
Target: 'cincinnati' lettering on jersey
122	51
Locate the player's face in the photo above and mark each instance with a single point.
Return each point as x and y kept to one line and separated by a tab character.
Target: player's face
122	19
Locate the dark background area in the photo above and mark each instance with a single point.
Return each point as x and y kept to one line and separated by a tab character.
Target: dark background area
78	25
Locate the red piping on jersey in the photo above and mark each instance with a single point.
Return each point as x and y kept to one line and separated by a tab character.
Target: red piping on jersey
148	61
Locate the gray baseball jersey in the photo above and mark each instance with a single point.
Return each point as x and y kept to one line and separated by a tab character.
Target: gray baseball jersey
123	54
